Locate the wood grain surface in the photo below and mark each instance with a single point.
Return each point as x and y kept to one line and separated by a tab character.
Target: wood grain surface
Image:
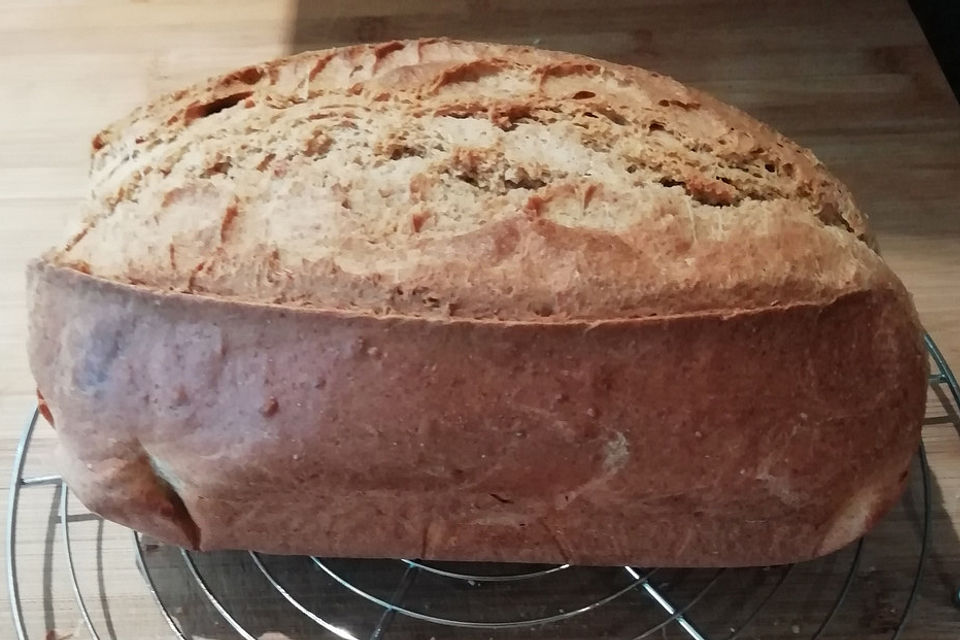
853	80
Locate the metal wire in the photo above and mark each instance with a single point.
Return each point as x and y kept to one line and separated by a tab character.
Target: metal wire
65	523
13	586
946	374
924	540
343	633
473	624
843	591
212	599
151	585
787	570
39	480
476	577
640	581
409	574
675	614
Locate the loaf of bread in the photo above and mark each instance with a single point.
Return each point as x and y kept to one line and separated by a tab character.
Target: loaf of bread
463	301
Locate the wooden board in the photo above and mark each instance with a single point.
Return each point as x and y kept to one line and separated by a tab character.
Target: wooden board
853	80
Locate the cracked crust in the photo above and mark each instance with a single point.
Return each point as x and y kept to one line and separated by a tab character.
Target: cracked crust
436	178
474	302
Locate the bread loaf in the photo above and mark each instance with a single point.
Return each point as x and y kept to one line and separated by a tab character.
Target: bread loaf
464	301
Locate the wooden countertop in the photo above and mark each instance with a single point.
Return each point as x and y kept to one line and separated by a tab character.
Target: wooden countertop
853	80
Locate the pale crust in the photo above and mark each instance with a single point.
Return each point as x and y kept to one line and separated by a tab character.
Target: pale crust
731	377
754	438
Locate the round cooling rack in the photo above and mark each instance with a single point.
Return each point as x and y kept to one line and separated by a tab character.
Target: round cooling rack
873	588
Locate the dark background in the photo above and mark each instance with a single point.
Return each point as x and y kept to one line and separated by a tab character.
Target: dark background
940	20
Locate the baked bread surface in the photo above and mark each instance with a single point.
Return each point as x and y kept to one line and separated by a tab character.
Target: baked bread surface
477	302
438	178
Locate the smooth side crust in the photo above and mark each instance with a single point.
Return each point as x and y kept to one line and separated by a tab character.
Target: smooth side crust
436	178
752	438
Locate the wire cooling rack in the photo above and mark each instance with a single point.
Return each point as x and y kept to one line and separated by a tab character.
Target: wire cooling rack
355	599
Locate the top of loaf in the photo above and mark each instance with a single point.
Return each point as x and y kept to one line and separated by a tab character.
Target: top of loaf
437	178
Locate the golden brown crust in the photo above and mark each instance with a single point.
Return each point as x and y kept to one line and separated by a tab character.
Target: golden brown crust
436	178
754	438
